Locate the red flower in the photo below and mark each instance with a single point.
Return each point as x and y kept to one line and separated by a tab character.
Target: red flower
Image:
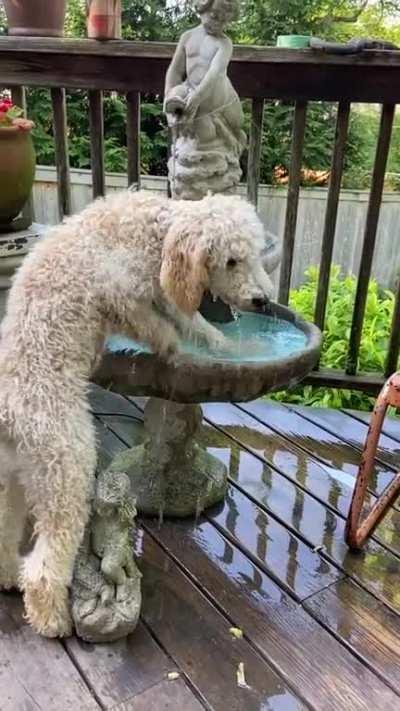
5	105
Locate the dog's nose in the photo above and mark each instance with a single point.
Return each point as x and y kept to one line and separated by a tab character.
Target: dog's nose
260	303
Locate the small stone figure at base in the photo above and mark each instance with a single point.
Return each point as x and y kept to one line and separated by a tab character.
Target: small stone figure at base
203	109
106	595
170	474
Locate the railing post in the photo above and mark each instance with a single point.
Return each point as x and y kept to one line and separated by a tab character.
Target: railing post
254	157
96	122
133	137
292	200
342	124
58	99
374	205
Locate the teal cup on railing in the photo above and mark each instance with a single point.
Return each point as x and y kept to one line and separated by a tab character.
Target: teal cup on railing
293	41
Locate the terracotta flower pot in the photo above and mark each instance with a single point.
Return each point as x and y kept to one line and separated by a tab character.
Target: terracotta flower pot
103	19
35	18
17	172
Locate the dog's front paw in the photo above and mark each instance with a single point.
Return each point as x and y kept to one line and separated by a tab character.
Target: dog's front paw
168	343
221	344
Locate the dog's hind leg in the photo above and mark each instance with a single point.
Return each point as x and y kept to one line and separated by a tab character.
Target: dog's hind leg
12	518
60	505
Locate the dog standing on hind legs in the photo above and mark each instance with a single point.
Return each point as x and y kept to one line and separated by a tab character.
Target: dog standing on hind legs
134	264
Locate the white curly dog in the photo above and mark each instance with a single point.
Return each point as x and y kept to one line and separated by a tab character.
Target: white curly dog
134	264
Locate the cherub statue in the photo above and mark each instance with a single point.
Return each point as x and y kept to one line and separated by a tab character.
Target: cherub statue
202	107
106	594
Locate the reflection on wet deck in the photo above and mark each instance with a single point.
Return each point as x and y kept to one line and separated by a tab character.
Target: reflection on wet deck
321	626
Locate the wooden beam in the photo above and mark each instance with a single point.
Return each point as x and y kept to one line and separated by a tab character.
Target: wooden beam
256	72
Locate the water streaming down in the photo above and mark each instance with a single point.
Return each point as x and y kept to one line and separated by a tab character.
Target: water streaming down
257	338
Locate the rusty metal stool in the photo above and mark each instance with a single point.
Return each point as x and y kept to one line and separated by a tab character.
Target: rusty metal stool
359	528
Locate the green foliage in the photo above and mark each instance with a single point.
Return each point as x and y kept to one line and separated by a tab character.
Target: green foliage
153	138
376	331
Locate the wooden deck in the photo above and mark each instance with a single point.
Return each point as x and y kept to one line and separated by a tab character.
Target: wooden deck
321	626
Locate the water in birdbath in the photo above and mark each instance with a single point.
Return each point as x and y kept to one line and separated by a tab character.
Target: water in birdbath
256	338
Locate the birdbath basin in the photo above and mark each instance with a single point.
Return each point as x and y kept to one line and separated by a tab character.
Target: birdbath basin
171	474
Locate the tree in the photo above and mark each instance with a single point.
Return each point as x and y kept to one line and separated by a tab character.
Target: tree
263	20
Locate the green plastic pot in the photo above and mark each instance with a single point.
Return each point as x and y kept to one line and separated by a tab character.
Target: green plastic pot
293	41
17	172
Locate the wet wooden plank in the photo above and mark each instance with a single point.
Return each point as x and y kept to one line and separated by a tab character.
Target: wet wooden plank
391	426
280	554
342	124
366	626
58	100
376	568
371	226
254	156
187	613
96	123
121	670
320	443
279	485
292	201
317	666
165	696
352	432
36	673
227	555
330	486
197	637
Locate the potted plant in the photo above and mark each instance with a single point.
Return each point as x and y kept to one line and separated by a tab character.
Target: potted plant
35	18
17	161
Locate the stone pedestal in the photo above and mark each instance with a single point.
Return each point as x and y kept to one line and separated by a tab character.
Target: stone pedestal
170	473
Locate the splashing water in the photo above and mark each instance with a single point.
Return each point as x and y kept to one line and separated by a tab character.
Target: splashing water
256	338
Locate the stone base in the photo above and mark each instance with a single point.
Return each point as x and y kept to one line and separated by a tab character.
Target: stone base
170	474
105	591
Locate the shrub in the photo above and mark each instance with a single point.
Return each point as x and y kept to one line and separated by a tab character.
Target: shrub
375	335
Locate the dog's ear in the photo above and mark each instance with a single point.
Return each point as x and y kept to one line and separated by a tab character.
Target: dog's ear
184	274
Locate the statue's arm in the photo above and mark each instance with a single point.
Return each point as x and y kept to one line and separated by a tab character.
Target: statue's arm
176	72
218	67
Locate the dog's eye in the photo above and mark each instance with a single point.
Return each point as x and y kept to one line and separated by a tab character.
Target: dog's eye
231	263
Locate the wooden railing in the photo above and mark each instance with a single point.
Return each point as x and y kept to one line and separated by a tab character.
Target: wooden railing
259	74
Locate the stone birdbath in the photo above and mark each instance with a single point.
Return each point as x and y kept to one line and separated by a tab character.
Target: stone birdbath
170	473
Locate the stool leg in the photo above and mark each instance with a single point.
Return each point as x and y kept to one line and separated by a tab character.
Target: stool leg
357	532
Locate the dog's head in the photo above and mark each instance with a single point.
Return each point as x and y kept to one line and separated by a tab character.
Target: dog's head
215	245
